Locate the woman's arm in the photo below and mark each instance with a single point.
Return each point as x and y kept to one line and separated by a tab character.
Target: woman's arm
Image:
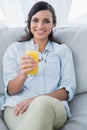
21	107
26	64
60	94
15	85
67	74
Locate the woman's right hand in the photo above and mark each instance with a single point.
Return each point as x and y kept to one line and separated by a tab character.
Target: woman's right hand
27	63
22	106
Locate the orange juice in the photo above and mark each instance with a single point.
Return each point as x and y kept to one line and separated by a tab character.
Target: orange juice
34	55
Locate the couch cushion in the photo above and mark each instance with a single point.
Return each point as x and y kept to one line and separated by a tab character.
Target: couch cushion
78	107
79	49
7	36
2	125
65	35
76	39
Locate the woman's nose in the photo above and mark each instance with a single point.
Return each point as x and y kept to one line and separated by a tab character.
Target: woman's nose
40	25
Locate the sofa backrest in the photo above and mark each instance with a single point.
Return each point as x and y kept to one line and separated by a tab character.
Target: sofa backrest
79	49
75	38
7	36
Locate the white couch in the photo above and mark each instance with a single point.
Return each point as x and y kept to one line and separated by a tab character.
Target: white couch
76	39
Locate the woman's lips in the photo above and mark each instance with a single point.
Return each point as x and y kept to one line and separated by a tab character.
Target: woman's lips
40	32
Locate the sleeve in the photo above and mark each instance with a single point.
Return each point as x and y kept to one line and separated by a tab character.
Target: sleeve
10	65
67	72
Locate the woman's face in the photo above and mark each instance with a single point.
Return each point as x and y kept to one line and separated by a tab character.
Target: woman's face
41	24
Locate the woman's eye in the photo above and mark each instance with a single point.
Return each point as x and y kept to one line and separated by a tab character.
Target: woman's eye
35	20
46	21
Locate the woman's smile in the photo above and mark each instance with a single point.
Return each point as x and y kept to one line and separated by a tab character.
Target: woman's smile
40	32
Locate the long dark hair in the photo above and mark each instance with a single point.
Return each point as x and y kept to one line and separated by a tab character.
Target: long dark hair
36	8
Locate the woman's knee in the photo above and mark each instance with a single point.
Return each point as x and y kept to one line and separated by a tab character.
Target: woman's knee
42	104
40	101
42	109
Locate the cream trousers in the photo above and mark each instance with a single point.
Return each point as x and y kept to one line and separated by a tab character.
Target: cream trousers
44	113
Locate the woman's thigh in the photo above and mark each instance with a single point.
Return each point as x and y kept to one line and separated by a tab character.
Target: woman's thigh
41	110
52	110
11	120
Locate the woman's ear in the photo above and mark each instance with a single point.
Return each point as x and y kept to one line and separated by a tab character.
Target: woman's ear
53	26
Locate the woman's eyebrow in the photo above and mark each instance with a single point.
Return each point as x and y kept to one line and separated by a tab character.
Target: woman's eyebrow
43	18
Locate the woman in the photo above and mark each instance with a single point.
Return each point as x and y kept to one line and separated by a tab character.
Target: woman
38	102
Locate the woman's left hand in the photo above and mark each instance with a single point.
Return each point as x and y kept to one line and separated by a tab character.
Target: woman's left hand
22	106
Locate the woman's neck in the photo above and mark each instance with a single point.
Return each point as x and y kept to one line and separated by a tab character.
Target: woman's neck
41	43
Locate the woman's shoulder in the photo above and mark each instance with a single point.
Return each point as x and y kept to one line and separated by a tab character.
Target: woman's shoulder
14	48
62	49
16	45
60	46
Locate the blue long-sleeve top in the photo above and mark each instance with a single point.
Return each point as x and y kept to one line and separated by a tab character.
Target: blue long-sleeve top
56	71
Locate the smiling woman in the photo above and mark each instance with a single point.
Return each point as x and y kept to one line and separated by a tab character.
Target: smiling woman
39	101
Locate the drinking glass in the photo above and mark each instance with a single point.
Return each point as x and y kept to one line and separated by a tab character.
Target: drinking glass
35	55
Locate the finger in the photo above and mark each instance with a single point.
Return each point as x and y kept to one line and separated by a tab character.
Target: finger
24	108
16	112
27	58
17	109
28	65
21	107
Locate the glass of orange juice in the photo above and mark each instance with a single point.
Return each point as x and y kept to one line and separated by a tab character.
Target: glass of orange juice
35	55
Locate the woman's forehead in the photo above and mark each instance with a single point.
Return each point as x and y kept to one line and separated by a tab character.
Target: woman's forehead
43	14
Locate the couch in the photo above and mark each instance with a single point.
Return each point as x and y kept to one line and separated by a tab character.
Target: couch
76	39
